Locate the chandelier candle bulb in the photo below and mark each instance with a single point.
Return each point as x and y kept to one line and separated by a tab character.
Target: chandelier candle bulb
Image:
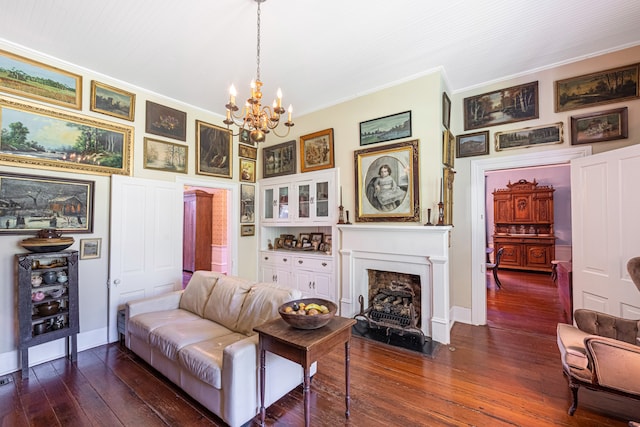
279	94
290	111
232	95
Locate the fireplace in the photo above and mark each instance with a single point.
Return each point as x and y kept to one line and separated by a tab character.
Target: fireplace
420	253
394	301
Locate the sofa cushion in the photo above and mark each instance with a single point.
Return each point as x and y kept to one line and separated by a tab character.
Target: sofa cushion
204	359
261	305
141	325
198	290
226	300
169	339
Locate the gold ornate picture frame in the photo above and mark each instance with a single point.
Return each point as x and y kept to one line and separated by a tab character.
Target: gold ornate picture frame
387	180
316	151
214	153
165	156
112	101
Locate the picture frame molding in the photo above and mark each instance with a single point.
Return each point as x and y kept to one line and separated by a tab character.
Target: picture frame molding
147	148
386	122
559	126
564	86
83	187
623	125
371	158
207	157
484	144
290	148
474	104
43	161
21	90
86	243
323	138
95	86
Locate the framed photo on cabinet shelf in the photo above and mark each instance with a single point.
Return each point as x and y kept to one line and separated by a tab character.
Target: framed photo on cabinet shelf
472	144
40	82
516	103
316	151
601	126
387	180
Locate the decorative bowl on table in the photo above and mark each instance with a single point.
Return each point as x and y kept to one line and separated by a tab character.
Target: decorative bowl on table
48	308
308	313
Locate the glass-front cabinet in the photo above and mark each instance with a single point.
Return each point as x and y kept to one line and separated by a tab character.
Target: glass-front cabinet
313	199
276	203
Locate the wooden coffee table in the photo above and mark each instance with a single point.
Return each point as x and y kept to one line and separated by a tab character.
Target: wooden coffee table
303	347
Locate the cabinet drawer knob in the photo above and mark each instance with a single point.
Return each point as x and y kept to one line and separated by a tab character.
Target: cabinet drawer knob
266	258
300	261
284	260
324	264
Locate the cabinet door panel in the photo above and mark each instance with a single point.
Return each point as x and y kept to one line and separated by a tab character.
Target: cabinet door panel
512	255
523	208
538	256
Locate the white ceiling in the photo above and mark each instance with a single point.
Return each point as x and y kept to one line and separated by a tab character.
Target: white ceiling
319	52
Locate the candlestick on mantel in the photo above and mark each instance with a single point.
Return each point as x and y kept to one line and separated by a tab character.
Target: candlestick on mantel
428	217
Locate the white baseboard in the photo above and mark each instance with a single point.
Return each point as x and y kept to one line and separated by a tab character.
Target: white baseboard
10	361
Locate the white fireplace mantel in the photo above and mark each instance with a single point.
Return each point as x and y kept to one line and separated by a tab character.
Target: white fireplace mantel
420	250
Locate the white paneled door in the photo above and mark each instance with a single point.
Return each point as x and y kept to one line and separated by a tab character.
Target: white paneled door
606	232
146	241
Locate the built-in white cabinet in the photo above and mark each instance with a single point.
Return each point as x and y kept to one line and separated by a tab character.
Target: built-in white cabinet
300	205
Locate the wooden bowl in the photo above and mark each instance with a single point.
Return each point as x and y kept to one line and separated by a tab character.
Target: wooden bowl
49	308
305	321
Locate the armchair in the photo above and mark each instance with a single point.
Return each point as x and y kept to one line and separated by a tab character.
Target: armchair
601	353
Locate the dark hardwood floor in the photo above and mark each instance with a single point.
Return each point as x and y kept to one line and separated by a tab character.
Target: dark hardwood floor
504	374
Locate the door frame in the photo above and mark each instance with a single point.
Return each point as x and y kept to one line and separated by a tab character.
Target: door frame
233	211
478	213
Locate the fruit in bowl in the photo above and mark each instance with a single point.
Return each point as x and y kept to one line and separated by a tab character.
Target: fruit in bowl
308	313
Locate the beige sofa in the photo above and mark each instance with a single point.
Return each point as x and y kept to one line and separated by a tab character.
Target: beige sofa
202	339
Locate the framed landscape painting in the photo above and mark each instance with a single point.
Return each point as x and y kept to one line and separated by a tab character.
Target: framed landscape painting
472	144
509	105
35	136
213	150
40	82
387	128
111	101
165	156
387	183
37	202
604	87
529	137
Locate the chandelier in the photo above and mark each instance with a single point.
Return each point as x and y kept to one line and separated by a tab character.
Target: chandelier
255	118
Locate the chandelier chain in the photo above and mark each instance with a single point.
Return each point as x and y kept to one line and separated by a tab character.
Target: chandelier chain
258	46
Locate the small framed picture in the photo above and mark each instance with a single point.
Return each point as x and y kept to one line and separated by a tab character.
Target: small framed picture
304	237
316	151
446	110
247	151
247	170
112	101
90	248
247	230
165	156
472	144
601	126
327	238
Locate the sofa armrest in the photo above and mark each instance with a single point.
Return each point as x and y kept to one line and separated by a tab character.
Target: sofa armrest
616	363
168	301
240	370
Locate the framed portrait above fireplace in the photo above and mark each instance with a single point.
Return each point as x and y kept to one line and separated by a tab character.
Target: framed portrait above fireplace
387	183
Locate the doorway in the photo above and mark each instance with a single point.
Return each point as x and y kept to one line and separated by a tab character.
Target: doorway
479	168
224	231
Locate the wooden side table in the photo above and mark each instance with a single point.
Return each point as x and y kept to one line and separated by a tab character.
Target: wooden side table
303	347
